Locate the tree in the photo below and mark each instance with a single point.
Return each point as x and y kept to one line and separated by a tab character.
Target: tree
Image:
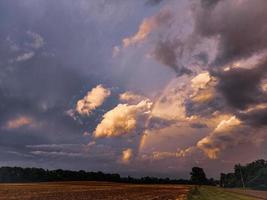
198	176
252	175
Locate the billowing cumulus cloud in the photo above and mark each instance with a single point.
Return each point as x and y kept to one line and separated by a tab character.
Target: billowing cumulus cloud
203	86
123	119
242	57
227	125
92	100
220	138
201	80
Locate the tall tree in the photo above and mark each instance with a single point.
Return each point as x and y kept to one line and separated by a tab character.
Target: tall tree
198	176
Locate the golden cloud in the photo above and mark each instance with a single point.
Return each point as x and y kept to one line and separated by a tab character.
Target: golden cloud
227	124
201	80
130	97
170	103
19	122
203	88
146	27
127	155
212	144
122	119
158	155
92	100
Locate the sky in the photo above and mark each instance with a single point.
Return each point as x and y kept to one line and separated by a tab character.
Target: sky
136	87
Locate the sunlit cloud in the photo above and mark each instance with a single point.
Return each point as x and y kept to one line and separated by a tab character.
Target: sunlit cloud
146	27
219	138
127	155
227	125
181	83
123	119
203	88
25	57
158	155
94	99
170	102
21	121
130	97
201	81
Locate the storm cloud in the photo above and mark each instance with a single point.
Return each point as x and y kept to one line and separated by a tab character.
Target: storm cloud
241	87
239	25
168	53
121	85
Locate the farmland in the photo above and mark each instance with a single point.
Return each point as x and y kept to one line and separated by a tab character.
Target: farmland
91	190
116	191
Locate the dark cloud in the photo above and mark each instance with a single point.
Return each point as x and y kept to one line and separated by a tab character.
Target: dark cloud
257	117
168	53
198	125
205	109
156	123
202	57
153	2
209	3
52	52
239	26
44	85
241	87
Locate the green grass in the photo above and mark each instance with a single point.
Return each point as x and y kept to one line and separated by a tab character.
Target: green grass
214	193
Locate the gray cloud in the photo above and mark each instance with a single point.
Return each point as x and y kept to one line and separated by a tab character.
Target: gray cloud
239	25
168	53
158	123
198	125
256	118
209	3
71	44
241	87
153	2
207	108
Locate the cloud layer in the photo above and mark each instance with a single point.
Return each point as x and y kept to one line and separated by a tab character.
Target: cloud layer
133	82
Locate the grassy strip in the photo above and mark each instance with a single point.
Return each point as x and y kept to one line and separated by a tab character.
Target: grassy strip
214	193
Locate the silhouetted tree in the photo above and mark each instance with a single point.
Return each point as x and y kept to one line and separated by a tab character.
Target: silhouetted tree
253	175
198	176
18	174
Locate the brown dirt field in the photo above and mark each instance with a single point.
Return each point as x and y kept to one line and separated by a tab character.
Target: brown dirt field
91	191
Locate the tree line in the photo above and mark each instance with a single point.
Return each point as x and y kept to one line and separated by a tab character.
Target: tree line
18	174
251	175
